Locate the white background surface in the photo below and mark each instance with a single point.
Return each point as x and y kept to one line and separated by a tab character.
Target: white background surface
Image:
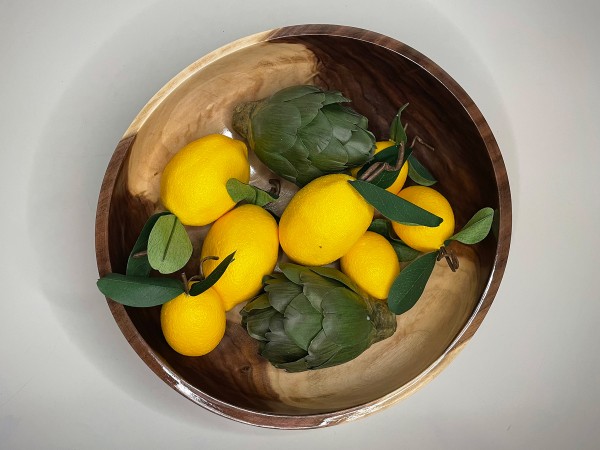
74	74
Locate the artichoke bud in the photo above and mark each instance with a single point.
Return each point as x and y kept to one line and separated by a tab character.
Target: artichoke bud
314	317
303	132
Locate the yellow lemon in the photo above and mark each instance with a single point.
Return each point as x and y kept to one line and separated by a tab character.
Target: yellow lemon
324	220
251	232
193	325
426	239
372	264
400	179
192	185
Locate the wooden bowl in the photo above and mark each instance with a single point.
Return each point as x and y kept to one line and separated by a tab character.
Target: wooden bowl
378	74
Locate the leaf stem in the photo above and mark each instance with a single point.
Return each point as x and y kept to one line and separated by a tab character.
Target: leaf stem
422	142
377	168
185	283
206	258
451	258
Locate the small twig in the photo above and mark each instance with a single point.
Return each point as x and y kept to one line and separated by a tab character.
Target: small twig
422	142
185	283
451	258
206	258
140	254
377	168
275	187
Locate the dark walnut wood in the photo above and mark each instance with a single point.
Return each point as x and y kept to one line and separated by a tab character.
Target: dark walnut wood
379	74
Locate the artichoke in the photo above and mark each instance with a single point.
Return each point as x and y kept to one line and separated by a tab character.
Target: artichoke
314	317
303	132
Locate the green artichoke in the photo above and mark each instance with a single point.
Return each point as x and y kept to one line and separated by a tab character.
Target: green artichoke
314	317
303	132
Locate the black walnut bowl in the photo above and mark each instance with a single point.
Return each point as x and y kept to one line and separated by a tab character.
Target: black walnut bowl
378	74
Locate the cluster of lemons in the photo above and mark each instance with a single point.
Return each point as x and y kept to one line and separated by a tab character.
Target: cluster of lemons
326	221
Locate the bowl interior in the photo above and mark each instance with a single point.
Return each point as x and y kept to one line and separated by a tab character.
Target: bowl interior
378	75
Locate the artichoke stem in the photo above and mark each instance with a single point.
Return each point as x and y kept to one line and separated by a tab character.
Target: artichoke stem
383	319
241	117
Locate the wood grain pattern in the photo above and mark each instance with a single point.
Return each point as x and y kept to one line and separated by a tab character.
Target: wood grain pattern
379	74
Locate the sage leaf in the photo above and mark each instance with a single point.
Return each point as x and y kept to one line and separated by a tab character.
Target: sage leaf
397	130
209	281
394	207
139	291
477	228
139	265
403	251
239	191
409	285
418	173
169	246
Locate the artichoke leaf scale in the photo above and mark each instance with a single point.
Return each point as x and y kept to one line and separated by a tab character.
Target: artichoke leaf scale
346	319
293	92
281	294
257	324
309	106
274	127
336	275
302	322
332	97
316	134
344	354
280	348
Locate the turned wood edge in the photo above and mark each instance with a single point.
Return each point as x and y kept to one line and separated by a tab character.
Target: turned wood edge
189	71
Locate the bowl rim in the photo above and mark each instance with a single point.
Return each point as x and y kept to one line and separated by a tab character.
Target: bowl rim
282	421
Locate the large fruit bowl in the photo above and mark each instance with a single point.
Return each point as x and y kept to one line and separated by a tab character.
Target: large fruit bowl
378	74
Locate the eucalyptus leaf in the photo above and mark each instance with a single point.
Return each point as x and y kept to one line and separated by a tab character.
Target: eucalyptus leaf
418	173
477	228
139	291
139	265
394	207
169	246
397	130
239	191
403	251
201	286
409	285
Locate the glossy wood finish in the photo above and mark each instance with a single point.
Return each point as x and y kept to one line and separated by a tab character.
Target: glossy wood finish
379	74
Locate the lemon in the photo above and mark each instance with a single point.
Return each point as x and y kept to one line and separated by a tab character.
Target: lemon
251	232
193	325
323	220
372	264
426	239
400	179
192	185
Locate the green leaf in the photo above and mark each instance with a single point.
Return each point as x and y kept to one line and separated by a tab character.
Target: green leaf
418	173
384	228
201	286
139	265
403	251
397	131
139	291
394	207
409	285
169	246
239	191
380	226
477	228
